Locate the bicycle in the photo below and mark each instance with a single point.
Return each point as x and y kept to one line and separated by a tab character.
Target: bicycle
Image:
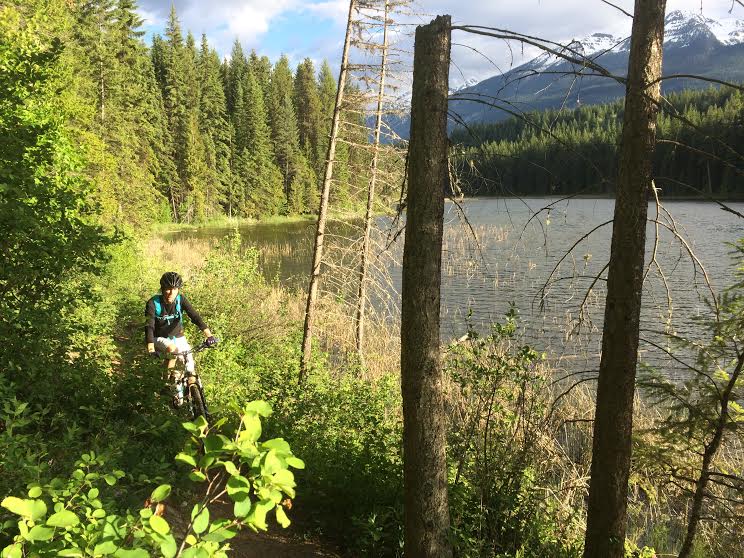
189	390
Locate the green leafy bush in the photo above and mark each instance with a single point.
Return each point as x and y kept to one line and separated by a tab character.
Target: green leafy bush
77	516
500	499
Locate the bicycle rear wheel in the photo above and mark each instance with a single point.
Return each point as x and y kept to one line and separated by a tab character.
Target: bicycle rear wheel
198	408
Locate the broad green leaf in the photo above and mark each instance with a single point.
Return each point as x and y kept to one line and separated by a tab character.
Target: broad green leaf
32	509
238	488
202	424
231	468
71	552
114	528
40	533
197	476
206	461
295	462
271	464
12	551
105	547
251	428
281	517
168	547
213	443
283	478
34	492
195	552
258	517
186	458
93	493
134	553
201	521
190	539
64	518
191	427
145	513
279	444
260	407
159	525
98	514
15	505
221	529
242	508
160	493
194	511
110	479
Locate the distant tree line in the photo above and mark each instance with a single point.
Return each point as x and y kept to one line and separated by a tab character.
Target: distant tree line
560	152
172	132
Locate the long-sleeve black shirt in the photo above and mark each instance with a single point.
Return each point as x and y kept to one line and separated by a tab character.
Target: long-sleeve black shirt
160	327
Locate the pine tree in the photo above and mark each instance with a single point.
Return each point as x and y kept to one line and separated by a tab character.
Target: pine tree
289	156
309	113
280	85
259	177
214	128
261	68
234	72
327	94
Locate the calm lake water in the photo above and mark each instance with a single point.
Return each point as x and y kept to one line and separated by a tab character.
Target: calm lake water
503	251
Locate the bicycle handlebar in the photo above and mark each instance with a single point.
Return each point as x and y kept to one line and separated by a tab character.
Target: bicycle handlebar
203	345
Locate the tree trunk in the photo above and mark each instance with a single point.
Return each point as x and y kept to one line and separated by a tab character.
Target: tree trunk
362	293
425	466
613	424
312	291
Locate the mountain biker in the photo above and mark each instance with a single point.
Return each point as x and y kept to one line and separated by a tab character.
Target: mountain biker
164	325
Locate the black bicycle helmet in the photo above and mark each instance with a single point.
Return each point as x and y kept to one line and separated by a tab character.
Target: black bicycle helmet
171	280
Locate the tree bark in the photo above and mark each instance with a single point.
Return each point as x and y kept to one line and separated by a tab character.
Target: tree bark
425	466
613	424
362	292
312	291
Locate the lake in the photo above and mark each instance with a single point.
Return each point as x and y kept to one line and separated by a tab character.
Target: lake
502	251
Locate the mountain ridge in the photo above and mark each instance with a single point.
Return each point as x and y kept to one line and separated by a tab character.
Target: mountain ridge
693	45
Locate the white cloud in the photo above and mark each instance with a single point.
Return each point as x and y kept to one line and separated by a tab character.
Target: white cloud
480	57
333	10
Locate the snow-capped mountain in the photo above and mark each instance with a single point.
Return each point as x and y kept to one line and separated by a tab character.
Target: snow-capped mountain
681	29
693	44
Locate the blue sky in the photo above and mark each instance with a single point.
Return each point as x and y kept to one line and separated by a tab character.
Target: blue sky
315	28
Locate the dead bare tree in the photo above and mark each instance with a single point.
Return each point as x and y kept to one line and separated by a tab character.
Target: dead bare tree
425	467
312	292
365	250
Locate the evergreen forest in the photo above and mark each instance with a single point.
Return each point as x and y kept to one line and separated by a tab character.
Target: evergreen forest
565	152
171	132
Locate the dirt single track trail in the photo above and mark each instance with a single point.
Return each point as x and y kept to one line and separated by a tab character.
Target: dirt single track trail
277	545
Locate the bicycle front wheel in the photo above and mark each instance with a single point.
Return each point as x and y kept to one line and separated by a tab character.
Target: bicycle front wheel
198	408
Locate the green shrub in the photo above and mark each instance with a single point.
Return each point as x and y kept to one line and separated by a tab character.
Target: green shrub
500	500
78	516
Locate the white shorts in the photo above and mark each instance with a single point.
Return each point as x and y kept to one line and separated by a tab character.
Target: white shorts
164	344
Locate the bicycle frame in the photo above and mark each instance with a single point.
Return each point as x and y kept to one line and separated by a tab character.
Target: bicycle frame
188	385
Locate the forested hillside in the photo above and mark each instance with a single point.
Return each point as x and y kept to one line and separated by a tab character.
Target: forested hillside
567	152
169	131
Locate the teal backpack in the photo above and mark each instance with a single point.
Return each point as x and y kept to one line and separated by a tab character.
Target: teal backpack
158	302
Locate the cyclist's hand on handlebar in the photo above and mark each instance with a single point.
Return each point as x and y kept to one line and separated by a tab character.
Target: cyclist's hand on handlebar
211	341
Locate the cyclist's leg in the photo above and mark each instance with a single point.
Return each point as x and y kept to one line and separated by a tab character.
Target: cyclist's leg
182	345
